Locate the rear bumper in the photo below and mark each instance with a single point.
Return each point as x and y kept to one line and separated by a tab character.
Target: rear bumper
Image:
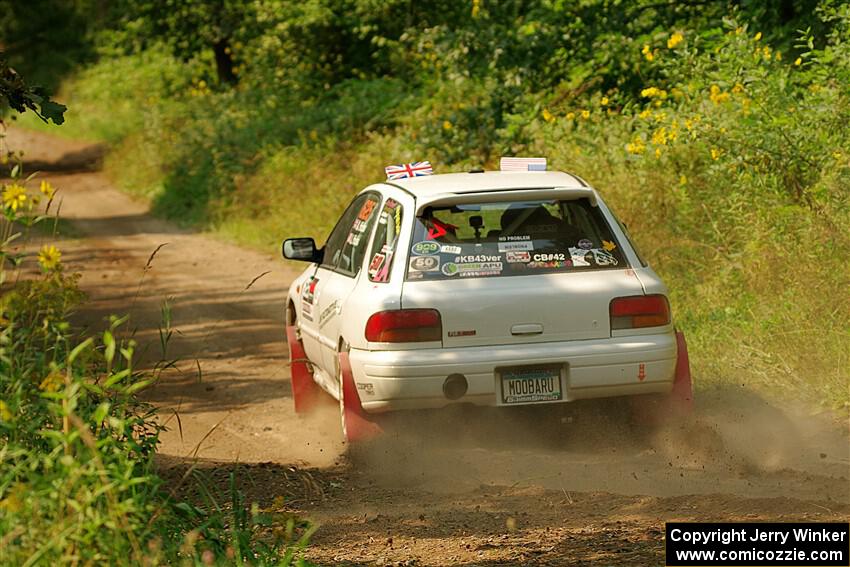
413	379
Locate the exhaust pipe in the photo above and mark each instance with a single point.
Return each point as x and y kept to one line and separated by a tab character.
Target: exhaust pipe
455	386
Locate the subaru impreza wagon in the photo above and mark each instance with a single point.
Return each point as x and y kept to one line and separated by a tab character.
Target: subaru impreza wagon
494	288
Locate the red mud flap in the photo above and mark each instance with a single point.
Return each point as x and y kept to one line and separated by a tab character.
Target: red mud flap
305	391
682	395
356	425
675	406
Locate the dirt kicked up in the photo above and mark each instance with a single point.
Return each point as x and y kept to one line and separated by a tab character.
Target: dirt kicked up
458	487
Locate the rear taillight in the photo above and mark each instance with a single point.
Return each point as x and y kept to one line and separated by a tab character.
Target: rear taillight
639	311
404	326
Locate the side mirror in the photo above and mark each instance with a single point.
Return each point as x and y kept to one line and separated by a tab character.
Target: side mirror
303	249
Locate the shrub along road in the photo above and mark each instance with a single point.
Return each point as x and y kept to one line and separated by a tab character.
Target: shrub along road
449	488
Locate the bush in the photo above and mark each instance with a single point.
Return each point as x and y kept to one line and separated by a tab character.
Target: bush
78	483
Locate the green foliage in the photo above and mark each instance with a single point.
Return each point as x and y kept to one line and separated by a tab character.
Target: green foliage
78	482
16	95
725	156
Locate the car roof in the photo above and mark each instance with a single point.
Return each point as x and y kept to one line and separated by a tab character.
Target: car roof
455	183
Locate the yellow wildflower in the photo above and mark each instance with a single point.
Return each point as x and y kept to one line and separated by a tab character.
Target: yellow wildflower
658	152
47	189
14	196
739	30
758	36
836	154
447	125
646	114
12	501
653	92
683	180
585	114
636	146
674	40
766	52
647	52
52	382
604	101
5	414
689	124
798	61
778	56
49	257
659	137
571	115
476	8
738	88
715	154
717	96
547	116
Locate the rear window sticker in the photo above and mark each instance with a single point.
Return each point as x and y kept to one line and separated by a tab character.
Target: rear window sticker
477	269
391	203
425	263
585	244
449	269
359	225
516	245
383	218
449	249
549	257
515	257
425	248
477	258
514	237
376	264
603	257
397	218
608	245
353	239
383	273
577	255
366	210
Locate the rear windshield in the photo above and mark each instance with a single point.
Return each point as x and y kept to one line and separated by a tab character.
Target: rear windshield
511	239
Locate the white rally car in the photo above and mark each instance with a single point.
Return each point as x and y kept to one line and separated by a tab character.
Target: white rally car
489	288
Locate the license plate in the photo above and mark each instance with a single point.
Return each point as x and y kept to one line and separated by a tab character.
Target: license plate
530	384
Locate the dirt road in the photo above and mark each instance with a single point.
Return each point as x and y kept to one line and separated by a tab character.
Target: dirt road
460	488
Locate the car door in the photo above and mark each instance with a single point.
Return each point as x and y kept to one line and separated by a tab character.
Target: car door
346	271
313	289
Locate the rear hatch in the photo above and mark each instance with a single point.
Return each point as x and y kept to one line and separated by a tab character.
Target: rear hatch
517	272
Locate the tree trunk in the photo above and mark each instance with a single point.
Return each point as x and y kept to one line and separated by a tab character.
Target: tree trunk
224	62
